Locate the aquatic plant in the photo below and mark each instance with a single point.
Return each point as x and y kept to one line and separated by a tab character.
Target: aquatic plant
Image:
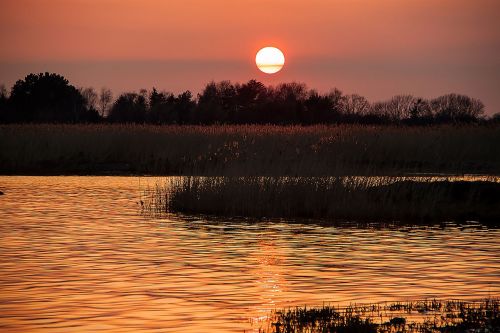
339	198
412	317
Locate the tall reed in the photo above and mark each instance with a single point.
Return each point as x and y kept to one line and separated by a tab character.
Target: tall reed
248	150
339	198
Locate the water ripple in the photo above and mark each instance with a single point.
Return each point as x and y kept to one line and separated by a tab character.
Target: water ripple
75	255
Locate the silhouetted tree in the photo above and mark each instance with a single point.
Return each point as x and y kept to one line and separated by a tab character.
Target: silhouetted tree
323	109
47	98
287	103
129	108
400	107
89	97
184	107
217	103
378	113
251	99
105	99
353	107
161	107
90	103
420	112
456	108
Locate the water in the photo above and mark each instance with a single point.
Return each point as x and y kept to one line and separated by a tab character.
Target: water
76	255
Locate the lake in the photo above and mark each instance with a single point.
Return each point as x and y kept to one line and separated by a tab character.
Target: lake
77	255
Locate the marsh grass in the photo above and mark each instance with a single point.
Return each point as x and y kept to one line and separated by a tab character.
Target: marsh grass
412	317
248	150
364	199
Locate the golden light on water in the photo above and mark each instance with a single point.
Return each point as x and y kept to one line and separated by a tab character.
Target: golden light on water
270	60
77	256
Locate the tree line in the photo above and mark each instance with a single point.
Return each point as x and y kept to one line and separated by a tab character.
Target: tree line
50	98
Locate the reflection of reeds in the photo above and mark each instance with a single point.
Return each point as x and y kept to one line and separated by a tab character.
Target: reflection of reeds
412	317
341	198
258	150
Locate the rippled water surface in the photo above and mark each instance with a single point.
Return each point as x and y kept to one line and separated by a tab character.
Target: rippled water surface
76	255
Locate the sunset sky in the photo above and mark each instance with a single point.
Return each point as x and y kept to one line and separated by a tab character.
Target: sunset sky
375	48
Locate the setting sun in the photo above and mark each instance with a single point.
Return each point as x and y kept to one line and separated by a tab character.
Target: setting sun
163	169
270	60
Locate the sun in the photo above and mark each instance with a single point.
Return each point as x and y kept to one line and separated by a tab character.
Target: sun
270	60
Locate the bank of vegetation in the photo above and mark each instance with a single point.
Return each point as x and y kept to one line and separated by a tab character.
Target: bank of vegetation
429	316
366	199
248	150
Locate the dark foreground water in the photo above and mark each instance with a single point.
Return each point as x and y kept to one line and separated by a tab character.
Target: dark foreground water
76	255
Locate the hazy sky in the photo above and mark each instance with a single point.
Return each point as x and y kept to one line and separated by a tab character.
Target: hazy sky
377	48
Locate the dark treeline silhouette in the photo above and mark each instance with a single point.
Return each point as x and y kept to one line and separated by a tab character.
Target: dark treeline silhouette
46	97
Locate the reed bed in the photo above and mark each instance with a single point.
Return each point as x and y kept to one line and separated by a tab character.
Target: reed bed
248	150
412	317
362	199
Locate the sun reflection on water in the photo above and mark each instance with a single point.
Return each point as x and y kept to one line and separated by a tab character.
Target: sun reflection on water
75	254
269	278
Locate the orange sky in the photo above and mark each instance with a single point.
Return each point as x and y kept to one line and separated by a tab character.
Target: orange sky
375	48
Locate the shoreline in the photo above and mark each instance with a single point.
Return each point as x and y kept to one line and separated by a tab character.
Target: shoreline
333	198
